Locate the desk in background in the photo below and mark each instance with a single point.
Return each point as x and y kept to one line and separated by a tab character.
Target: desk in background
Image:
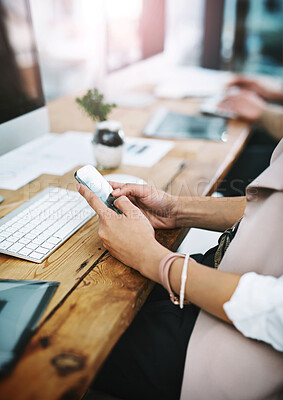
98	296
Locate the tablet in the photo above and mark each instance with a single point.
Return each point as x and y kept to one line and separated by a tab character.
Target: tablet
172	125
22	303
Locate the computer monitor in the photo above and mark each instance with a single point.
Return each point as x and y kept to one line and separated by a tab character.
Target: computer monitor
23	114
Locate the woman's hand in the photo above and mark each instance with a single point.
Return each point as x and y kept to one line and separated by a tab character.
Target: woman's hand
245	104
253	86
129	237
159	207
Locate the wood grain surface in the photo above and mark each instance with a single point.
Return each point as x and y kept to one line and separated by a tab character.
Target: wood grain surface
98	296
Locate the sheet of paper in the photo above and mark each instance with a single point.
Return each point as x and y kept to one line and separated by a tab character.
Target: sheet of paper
141	152
145	152
198	241
192	82
75	146
52	154
59	153
131	99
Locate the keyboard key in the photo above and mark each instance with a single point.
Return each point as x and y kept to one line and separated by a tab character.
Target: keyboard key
34	232
53	240
6	234
25	251
8	224
13	239
23	230
17	234
11	229
2	238
30	236
47	245
16	247
41	229
24	240
42	250
38	241
17	225
61	234
32	246
5	245
36	255
43	236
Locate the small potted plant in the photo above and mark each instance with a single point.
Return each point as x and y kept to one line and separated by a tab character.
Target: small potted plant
108	140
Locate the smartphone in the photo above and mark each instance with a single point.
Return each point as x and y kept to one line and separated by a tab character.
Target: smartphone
92	179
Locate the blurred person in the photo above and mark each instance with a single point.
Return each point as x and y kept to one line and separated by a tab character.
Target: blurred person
251	103
209	353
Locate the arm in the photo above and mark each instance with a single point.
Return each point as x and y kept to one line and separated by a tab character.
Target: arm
272	120
213	213
138	248
256	308
130	238
249	106
166	211
206	287
258	88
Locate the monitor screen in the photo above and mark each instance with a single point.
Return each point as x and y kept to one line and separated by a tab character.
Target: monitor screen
20	82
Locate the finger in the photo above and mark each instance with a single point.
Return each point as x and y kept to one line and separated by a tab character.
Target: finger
116	185
93	200
226	104
238	81
127	208
132	189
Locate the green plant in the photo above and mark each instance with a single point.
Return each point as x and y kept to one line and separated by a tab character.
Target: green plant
93	105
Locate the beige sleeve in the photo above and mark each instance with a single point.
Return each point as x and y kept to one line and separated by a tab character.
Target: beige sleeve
272	120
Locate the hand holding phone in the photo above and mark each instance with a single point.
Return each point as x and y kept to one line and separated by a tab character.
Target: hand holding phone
92	179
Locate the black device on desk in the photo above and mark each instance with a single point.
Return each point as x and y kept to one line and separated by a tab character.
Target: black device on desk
172	125
22	303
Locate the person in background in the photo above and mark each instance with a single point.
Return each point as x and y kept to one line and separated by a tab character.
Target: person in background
170	351
255	103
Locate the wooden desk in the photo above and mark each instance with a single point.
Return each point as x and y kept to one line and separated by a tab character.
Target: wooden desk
98	296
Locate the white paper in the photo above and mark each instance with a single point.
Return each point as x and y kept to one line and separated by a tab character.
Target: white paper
75	146
58	153
145	152
192	82
53	154
131	99
198	241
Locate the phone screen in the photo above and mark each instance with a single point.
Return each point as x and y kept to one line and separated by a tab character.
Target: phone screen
91	178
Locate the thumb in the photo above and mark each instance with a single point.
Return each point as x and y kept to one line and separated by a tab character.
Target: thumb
126	206
93	200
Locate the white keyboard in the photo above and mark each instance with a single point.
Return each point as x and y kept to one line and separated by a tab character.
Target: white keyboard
38	227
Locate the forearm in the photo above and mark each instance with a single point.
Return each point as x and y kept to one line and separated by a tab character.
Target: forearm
206	287
209	212
272	120
276	97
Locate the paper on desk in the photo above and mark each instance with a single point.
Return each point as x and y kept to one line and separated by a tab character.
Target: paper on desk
131	99
145	152
51	154
74	146
192	82
59	153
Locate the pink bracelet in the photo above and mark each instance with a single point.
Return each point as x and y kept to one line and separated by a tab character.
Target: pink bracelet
163	273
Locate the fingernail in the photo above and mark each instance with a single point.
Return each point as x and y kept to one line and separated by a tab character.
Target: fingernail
116	191
78	187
